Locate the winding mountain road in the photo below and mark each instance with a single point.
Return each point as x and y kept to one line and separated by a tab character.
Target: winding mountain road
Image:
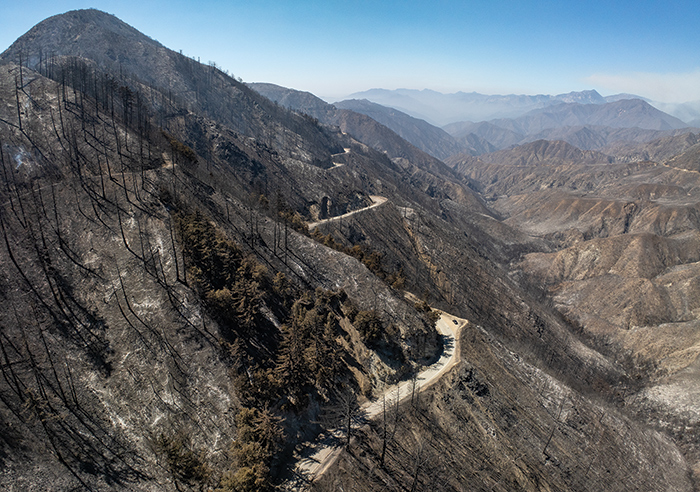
376	201
317	456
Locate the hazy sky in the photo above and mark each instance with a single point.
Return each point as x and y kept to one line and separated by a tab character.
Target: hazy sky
333	48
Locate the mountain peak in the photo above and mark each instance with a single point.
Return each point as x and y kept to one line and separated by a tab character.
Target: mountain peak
583	97
89	33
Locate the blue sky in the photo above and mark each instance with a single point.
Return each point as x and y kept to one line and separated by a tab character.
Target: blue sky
333	48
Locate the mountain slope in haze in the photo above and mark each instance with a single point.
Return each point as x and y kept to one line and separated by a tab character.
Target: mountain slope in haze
476	145
584	119
430	139
586	126
626	113
688	112
498	137
420	133
442	109
362	126
461	106
170	322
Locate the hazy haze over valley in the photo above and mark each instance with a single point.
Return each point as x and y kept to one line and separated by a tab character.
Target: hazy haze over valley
210	283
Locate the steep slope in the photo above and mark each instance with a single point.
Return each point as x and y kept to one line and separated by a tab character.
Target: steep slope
132	183
437	180
161	280
181	82
125	291
420	133
361	126
172	324
498	423
303	102
625	236
525	167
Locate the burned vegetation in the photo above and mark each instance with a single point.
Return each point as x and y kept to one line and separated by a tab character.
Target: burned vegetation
140	343
172	321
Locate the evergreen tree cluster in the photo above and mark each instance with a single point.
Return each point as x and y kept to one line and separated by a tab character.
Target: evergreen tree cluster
311	358
259	438
185	463
307	362
230	283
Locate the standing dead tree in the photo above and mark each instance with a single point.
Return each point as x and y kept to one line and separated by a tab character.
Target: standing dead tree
345	414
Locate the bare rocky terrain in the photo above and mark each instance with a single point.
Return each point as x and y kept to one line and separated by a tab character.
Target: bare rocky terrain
623	264
171	322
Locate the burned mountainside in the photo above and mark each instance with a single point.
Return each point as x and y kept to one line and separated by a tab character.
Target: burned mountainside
170	321
155	292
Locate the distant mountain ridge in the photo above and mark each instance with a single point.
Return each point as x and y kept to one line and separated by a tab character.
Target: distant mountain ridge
626	113
442	109
587	126
428	138
584	120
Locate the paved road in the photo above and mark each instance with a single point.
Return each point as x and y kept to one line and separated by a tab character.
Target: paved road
319	455
376	201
